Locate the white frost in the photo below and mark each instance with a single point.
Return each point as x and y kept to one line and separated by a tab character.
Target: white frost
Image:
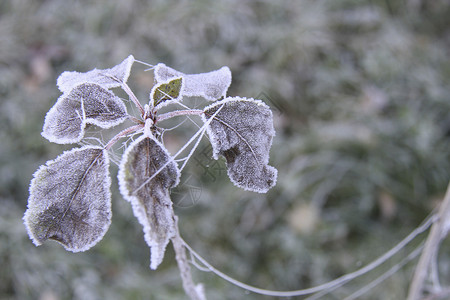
87	103
166	92
107	78
242	132
211	85
70	199
146	173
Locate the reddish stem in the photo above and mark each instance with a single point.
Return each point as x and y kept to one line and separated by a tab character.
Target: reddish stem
133	97
123	133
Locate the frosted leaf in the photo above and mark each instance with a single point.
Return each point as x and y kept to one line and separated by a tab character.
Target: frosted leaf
70	199
149	193
166	92
107	78
87	103
211	86
242	132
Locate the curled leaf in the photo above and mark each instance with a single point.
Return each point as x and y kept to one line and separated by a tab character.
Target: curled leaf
70	199
107	78
146	174
211	85
87	103
242	132
166	92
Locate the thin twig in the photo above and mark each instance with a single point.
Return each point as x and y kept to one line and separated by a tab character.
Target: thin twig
192	150
434	273
195	292
133	97
178	113
386	274
439	295
431	248
135	120
145	64
122	134
326	286
200	131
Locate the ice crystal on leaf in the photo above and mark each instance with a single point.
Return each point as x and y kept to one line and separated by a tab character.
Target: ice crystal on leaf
107	78
211	86
166	92
87	103
146	174
242	132
70	199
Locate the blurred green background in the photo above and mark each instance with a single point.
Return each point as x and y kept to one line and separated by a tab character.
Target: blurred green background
360	92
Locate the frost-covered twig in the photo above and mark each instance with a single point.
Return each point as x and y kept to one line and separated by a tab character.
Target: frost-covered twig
195	292
438	232
200	132
385	275
133	98
77	213
122	134
179	113
326	286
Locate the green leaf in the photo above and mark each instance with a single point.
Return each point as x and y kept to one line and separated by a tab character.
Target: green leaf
167	92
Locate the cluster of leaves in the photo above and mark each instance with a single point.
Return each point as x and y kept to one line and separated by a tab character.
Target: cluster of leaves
322	66
70	198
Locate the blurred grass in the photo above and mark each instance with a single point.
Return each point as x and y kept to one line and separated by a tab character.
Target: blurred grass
360	91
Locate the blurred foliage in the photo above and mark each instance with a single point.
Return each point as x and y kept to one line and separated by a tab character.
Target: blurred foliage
360	92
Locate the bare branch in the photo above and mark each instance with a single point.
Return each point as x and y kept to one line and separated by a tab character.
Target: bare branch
195	292
431	247
133	97
177	113
325	286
